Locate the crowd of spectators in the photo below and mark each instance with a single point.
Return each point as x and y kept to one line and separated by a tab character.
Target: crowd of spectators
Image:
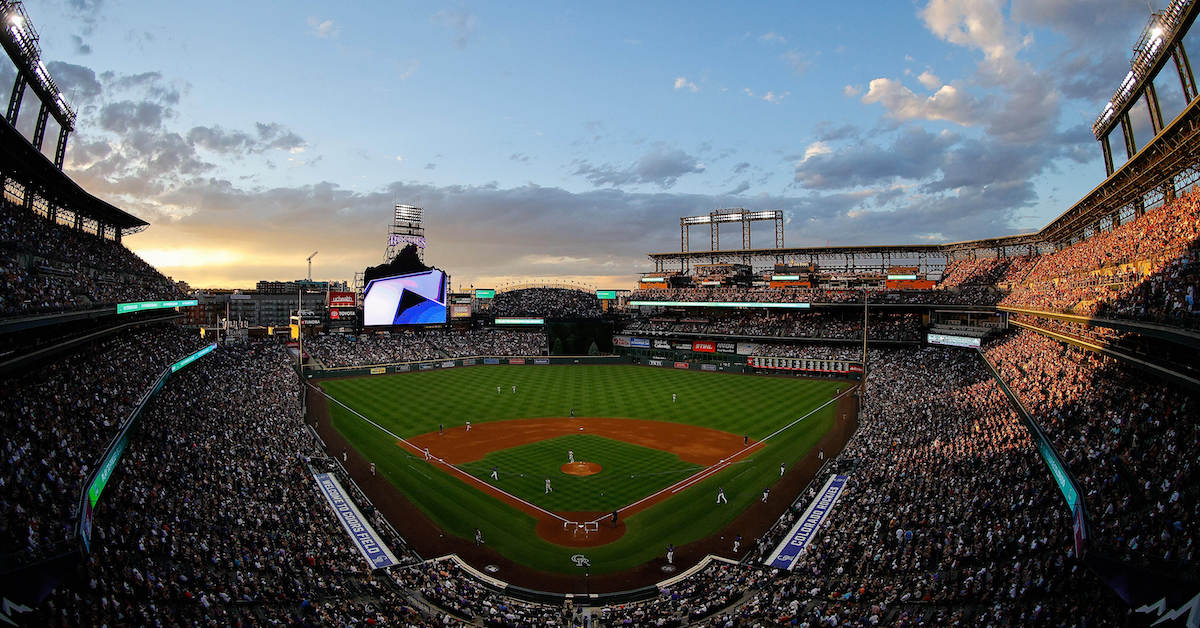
1131	439
48	267
1144	269
546	303
341	350
949	516
836	325
213	517
963	295
986	271
57	418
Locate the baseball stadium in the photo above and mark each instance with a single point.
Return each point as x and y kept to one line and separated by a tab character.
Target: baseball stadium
897	427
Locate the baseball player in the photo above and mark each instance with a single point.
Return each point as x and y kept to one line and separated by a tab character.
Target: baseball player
672	397
495	473
721	496
670	554
572	413
548	489
468	426
441	429
821	454
782	466
372	469
766	493
737	543
478	536
514	389
427	454
570	455
497	390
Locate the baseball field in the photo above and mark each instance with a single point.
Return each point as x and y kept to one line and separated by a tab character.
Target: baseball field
659	462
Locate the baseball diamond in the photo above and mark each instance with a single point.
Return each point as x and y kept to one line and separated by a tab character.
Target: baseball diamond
660	462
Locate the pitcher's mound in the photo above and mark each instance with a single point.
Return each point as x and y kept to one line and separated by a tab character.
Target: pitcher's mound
581	468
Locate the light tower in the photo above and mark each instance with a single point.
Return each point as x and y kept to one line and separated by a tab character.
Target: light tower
406	229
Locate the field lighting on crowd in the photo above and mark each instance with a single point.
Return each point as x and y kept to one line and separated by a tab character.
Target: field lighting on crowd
1161	28
21	41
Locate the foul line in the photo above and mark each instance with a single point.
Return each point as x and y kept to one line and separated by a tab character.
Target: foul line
710	471
439	460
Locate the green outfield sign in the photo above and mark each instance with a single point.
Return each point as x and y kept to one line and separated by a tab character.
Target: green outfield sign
606	294
485	293
125	308
520	321
192	358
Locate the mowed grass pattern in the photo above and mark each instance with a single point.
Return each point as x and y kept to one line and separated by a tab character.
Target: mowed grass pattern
410	404
628	473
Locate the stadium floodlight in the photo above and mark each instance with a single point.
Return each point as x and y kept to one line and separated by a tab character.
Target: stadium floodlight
16	20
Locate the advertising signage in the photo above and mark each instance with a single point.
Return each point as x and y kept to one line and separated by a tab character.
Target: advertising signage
485	293
726	347
606	294
953	341
126	308
640	342
519	321
704	346
342	299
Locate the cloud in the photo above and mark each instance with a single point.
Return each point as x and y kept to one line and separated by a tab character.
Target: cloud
461	23
947	103
772	38
851	91
267	136
661	167
797	61
929	80
774	98
741	187
741	167
816	148
322	29
519	157
915	154
78	82
79	46
683	83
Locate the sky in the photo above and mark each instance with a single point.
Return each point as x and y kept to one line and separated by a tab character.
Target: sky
559	141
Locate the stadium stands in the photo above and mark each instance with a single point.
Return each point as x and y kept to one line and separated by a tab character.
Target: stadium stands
1145	269
384	348
48	267
1132	440
215	519
884	326
547	303
57	419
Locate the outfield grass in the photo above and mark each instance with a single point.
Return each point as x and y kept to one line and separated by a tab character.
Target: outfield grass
628	472
410	404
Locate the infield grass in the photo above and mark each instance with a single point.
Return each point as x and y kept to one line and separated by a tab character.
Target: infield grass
411	404
628	472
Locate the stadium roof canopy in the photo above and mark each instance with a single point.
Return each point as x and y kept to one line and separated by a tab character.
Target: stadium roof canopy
29	167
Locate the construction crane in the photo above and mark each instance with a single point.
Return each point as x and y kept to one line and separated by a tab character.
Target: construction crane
309	260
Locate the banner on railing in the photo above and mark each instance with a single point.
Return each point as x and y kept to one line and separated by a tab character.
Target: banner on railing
807	526
365	539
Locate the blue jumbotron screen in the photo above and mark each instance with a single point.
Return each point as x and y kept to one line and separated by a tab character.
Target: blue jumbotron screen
415	299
